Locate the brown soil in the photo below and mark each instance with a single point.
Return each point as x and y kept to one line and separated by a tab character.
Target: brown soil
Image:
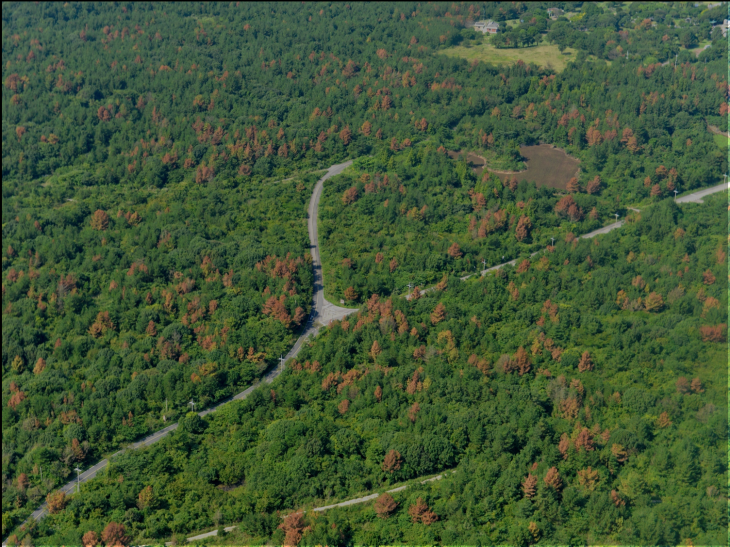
546	166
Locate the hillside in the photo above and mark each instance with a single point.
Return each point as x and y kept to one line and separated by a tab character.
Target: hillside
158	162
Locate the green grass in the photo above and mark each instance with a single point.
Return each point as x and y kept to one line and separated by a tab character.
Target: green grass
722	141
546	55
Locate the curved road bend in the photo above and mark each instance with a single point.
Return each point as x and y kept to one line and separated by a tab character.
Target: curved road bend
323	312
695	197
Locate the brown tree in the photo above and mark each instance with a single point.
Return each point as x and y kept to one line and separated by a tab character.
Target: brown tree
594	185
455	251
393	264
344	406
683	385
294	528
584	440
588	478
378	393
23	482
717	333
413	412
350	196
438	314
56	501
115	535
529	486
350	294
553	480
656	191
40	365
524	225
366	128
103	114
562	207
520	362
375	350
99	220
392	461
419	512
696	385
585	363
385	505
151	330
346	135
90	539
654	302
572	185
616	498
708	278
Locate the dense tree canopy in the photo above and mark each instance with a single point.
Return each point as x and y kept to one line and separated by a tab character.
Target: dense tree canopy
157	164
590	382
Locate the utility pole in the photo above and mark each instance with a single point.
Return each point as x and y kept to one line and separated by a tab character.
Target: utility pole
78	484
675	61
616	214
484	263
553	241
192	404
410	285
282	361
675	194
725	175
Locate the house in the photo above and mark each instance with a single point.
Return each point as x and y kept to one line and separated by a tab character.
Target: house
486	27
554	13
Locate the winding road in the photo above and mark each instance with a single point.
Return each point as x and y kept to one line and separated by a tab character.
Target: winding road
323	312
694	197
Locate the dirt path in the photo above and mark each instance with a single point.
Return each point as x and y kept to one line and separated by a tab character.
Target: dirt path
355	501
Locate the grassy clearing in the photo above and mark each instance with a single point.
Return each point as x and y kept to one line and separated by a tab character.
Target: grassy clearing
545	55
722	141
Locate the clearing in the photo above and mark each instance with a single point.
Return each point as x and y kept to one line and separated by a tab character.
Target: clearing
546	166
722	141
545	55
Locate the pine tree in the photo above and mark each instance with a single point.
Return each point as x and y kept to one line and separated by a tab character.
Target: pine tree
529	486
438	314
385	505
392	461
553	480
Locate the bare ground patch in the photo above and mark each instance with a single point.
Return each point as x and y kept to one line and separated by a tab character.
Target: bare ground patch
546	166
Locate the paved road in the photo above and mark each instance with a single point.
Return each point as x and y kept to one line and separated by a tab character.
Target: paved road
694	197
323	312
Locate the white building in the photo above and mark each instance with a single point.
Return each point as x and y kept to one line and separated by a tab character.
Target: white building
486	27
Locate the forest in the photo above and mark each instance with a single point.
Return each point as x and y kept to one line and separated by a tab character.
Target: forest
580	398
158	160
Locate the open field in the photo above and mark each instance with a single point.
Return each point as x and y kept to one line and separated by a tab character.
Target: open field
721	141
546	166
546	55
